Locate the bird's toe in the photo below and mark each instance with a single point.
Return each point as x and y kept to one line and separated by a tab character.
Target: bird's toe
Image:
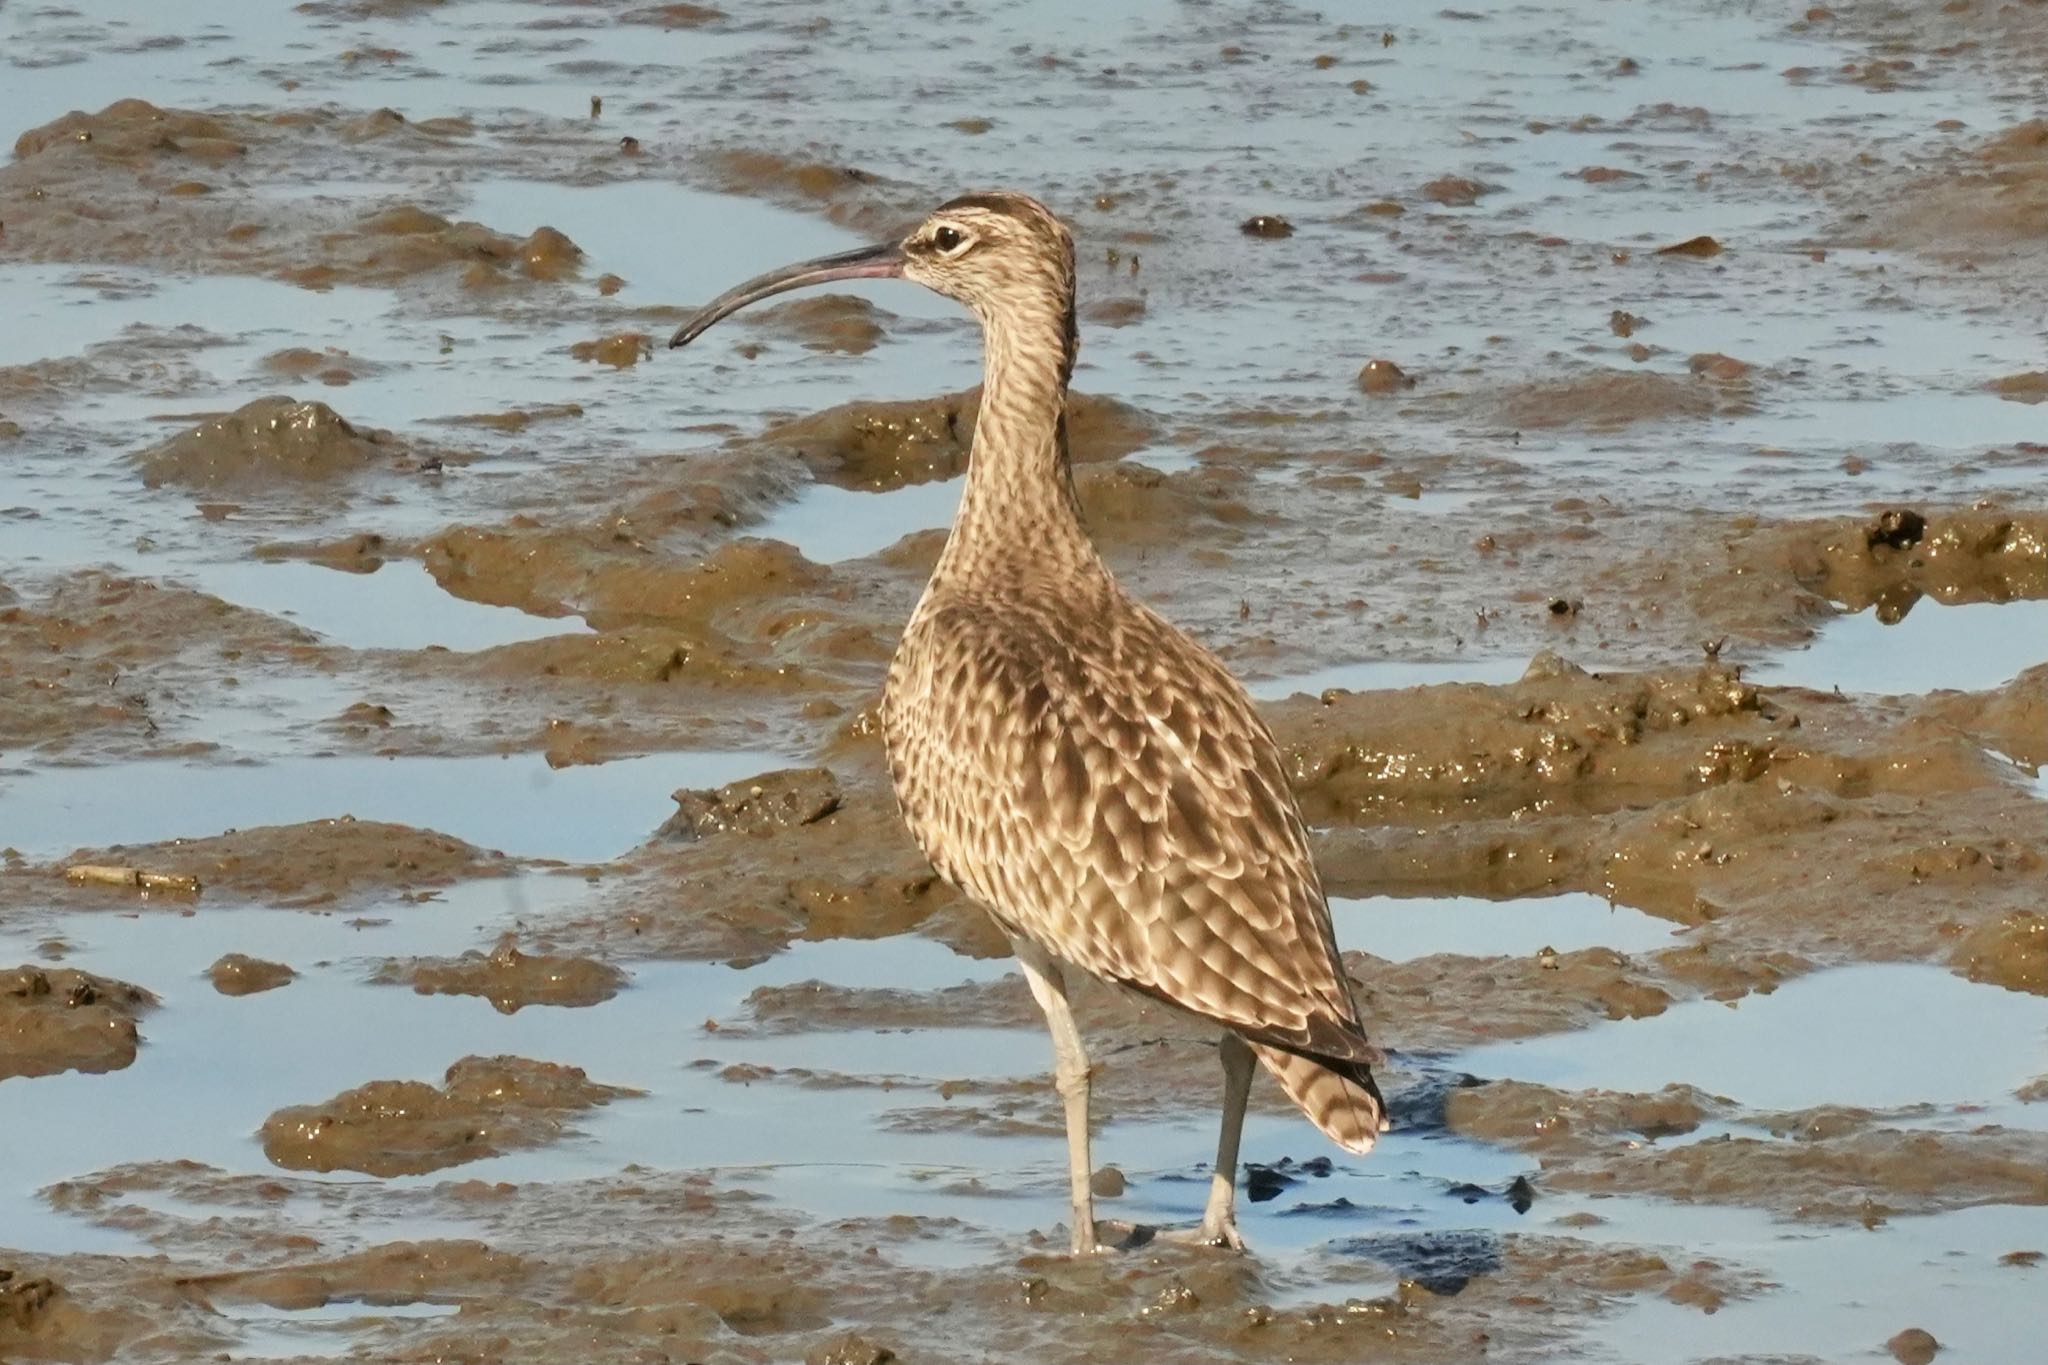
1222	1234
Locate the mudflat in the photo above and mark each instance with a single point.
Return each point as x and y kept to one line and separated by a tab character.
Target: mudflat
451	904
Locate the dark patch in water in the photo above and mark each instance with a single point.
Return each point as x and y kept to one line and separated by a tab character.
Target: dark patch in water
1441	1262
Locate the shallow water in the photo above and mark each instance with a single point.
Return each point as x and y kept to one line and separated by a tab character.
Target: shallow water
399	606
513	803
1971	648
1403	927
1873	1036
1375	675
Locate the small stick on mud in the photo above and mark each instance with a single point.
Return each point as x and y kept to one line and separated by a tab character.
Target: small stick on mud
96	875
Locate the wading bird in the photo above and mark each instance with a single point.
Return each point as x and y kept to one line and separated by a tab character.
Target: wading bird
1069	759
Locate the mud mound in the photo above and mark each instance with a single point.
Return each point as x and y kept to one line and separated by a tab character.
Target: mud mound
488	1105
2013	720
266	443
331	366
396	1272
54	1019
883	446
2029	387
132	132
1133	506
1607	400
849	873
310	863
843	323
1864	1177
620	350
1543	1119
99	657
551	572
403	241
240	974
849	195
510	979
137	183
680	14
759	805
2011	952
1560	734
1997	197
1893	559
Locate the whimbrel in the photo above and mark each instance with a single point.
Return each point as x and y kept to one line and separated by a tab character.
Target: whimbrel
1069	759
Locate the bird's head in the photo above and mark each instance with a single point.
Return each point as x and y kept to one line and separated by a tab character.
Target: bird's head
1002	254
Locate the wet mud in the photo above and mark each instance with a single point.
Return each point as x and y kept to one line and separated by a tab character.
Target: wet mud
269	441
240	974
319	863
55	1019
1619	486
485	1106
511	979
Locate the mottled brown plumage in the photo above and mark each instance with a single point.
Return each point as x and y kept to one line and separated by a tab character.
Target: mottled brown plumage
1073	761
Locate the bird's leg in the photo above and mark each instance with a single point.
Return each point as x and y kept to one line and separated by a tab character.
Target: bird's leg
1070	1077
1219	1219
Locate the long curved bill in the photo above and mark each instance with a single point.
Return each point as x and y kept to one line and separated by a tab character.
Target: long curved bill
866	263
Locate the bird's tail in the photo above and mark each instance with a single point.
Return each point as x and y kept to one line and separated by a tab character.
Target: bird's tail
1339	1097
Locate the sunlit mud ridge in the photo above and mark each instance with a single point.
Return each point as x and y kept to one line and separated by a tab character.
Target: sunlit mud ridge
451	903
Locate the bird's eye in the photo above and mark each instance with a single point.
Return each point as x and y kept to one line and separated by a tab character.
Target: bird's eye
948	239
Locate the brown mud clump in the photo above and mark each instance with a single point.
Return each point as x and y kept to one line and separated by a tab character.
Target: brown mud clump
132	132
675	15
313	863
267	443
401	242
1384	376
884	446
1996	197
1892	560
332	367
393	1273
54	1019
759	805
240	974
23	1299
843	323
487	1106
552	573
136	183
850	196
1607	400
621	350
1914	1346
2030	387
1558	734
509	979
2011	952
1130	506
1537	1117
1457	191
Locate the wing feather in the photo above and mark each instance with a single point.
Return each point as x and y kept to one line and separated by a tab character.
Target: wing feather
1118	800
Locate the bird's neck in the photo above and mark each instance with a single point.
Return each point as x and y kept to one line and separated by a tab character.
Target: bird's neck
1018	511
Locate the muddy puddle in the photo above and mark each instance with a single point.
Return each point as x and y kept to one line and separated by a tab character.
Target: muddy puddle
512	804
1621	488
1401	928
1975	647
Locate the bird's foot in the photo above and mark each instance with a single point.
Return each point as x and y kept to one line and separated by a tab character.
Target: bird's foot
1116	1234
1210	1232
